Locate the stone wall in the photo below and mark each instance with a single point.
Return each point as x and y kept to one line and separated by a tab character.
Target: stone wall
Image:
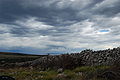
69	61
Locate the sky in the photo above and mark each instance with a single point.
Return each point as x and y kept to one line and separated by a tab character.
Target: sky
58	26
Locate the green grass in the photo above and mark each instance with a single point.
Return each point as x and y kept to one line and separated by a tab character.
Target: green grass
6	57
80	73
91	68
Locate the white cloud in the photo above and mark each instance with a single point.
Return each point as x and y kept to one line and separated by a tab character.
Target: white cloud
106	3
103	21
84	34
4	28
34	42
58	49
32	23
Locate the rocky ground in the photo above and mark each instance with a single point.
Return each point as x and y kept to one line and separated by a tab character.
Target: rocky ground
69	61
86	65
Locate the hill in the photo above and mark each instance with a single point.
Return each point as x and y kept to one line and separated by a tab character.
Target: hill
9	57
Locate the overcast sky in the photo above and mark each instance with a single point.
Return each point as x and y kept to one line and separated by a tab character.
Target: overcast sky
58	26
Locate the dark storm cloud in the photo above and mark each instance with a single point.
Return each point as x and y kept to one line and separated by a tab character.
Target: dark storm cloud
20	32
108	9
10	10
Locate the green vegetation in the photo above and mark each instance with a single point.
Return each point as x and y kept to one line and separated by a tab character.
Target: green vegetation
6	57
80	73
91	68
60	67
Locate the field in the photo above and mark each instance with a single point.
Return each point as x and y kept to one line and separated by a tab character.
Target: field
6	57
79	73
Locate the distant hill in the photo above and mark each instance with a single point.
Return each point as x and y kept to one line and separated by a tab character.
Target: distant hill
9	57
19	54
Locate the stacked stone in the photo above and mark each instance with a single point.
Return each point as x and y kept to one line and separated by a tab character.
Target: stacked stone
84	58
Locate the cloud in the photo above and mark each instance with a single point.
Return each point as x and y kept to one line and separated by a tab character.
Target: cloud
48	26
32	23
108	8
75	4
4	28
106	3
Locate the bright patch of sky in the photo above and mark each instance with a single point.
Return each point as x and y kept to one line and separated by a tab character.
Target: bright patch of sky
104	30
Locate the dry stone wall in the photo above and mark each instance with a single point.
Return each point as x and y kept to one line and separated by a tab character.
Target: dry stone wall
69	61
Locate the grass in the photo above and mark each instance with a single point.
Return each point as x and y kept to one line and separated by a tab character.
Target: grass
91	68
6	57
80	73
